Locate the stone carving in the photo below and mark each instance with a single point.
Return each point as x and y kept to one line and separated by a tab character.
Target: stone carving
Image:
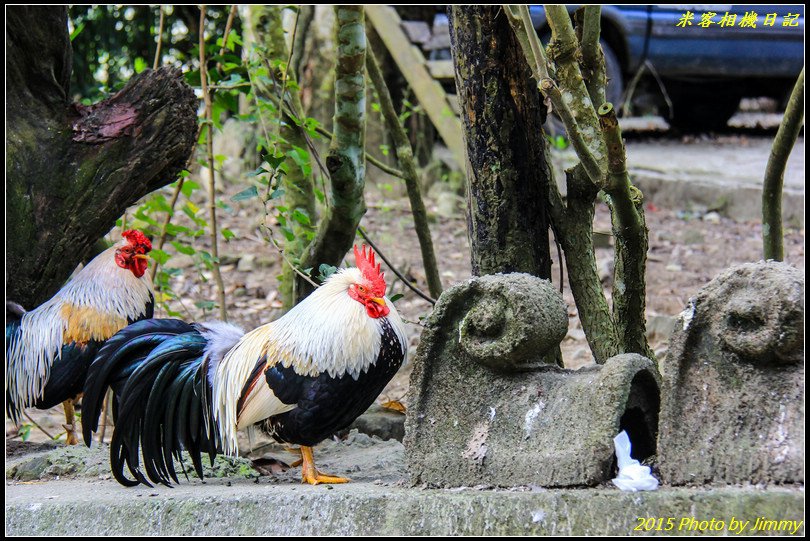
489	405
733	392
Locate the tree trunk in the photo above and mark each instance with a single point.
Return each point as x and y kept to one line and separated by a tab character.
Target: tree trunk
405	157
346	159
507	166
71	170
298	184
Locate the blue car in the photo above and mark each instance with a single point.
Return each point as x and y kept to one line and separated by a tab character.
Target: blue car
702	58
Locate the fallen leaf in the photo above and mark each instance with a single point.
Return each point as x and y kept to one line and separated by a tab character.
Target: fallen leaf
394	405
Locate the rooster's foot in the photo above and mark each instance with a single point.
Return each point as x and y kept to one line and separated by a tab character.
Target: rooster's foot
310	474
70	434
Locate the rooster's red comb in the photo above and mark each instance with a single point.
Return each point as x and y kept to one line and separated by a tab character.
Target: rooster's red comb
137	239
370	270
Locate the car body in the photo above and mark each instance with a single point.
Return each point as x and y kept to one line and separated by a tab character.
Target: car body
704	70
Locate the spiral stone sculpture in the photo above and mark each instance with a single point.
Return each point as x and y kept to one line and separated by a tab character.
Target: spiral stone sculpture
733	393
489	404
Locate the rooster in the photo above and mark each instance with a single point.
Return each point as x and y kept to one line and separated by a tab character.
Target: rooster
49	349
302	378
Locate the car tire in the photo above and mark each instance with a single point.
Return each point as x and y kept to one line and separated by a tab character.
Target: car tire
613	91
702	108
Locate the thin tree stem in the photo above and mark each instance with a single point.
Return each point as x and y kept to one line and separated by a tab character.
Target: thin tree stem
33	422
593	61
408	166
156	63
789	129
394	269
209	143
630	232
176	195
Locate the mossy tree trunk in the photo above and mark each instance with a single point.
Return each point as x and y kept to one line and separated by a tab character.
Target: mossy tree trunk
507	166
298	184
72	170
346	158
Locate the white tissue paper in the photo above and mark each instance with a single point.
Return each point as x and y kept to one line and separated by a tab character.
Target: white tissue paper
632	475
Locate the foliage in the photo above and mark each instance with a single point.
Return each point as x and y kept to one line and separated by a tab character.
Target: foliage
113	42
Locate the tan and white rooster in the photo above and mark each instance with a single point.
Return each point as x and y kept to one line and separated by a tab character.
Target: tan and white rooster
302	377
49	349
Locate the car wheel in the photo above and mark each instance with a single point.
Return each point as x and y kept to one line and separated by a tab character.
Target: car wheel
613	90
701	108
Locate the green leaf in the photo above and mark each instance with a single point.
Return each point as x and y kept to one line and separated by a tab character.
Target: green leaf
258	171
174	229
326	271
274	161
183	248
140	65
288	234
205	305
278	192
301	217
73	35
228	234
193	78
159	256
396	297
249	193
188	187
233	41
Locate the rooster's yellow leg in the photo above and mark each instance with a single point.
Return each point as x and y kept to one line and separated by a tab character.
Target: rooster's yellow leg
309	474
69	420
295	451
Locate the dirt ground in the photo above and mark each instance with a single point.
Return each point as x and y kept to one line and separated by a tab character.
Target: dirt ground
688	247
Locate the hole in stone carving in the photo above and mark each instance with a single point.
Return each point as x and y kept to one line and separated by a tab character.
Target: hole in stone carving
640	418
745	321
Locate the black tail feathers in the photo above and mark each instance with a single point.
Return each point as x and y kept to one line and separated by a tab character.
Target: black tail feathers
155	368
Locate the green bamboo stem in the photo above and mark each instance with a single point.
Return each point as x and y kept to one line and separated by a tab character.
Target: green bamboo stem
406	162
786	136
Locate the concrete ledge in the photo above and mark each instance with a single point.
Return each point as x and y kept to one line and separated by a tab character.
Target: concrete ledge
739	201
247	508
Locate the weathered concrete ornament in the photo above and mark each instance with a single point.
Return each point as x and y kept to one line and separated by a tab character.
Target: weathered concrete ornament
733	393
488	405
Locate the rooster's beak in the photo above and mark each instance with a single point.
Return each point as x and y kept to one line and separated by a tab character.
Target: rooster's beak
378	300
141	256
